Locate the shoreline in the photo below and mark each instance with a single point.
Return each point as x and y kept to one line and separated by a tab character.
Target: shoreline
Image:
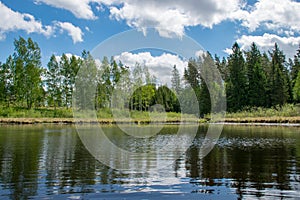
287	121
24	121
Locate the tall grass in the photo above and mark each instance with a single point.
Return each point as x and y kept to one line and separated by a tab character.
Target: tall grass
17	112
287	110
105	113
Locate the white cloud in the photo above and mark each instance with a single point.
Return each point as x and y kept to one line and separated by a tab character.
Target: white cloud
171	17
68	55
80	8
159	66
200	53
281	17
73	31
228	51
266	42
274	14
14	21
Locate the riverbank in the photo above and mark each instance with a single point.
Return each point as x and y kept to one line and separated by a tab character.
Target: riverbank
90	121
267	120
287	114
247	120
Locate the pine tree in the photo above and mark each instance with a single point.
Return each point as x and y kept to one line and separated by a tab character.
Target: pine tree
175	80
205	65
236	83
295	67
192	77
167	98
296	89
222	67
278	78
256	86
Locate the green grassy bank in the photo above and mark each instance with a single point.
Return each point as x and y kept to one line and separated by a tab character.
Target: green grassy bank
286	114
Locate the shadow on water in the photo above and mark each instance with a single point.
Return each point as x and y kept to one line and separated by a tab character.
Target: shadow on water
44	161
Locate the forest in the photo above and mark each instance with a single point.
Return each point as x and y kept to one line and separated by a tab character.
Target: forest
251	79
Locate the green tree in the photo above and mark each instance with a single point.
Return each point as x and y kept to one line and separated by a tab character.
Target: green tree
75	63
8	78
122	89
222	67
296	89
176	83
105	85
192	77
205	65
5	81
54	83
115	72
237	82
27	74
256	87
85	83
295	68
211	85
278	78
2	83
167	98
65	74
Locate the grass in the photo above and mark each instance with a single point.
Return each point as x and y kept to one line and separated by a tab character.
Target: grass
17	112
288	113
288	110
65	115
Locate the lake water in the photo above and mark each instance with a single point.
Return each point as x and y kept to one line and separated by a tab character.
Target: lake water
52	162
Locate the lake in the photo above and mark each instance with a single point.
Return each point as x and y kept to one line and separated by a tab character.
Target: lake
247	162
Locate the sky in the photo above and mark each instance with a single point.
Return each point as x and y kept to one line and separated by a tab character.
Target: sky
71	26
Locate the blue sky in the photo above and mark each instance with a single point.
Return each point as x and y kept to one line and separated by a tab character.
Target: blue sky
70	26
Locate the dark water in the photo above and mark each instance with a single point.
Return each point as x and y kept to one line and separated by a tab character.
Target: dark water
248	162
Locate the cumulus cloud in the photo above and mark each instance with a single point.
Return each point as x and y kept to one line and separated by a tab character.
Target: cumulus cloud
80	8
159	66
281	17
266	42
275	14
14	21
171	17
228	51
68	55
73	31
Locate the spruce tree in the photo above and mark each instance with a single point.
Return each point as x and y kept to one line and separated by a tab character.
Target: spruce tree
236	83
176	85
296	89
278	79
256	91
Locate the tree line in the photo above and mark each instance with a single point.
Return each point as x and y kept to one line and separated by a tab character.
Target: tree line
252	79
249	79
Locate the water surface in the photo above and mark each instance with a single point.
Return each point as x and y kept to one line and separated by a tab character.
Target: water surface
249	162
